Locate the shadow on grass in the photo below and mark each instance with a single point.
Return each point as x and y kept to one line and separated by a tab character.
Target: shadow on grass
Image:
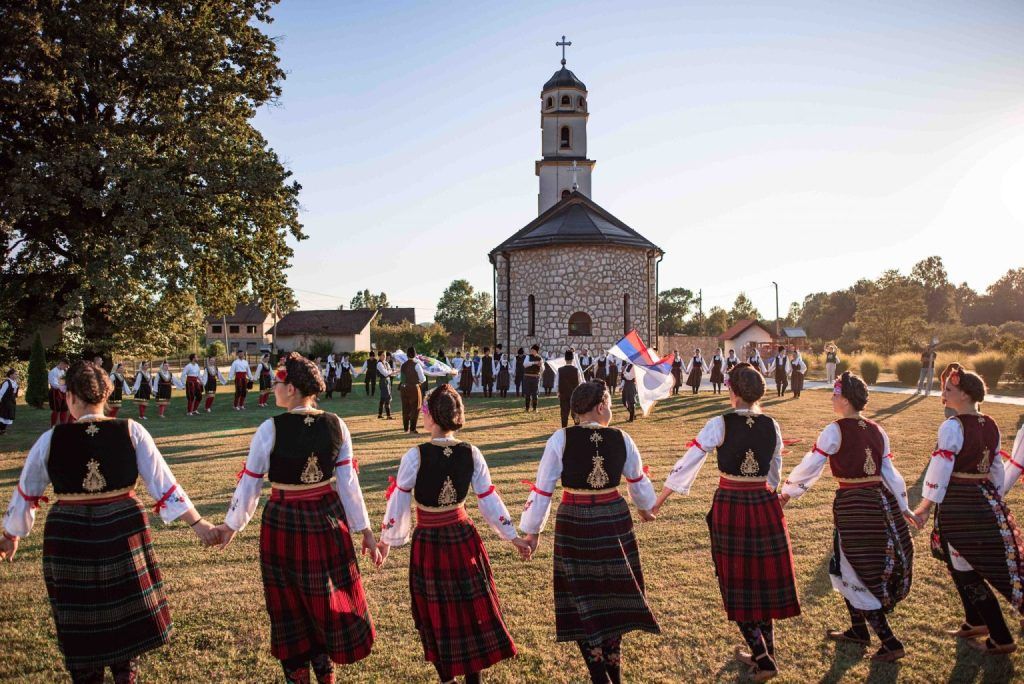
970	663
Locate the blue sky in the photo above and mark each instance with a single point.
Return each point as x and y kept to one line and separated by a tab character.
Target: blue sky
808	143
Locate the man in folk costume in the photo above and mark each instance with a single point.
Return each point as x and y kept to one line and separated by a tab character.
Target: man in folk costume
975	533
142	388
101	573
191	379
264	373
779	366
532	366
598	580
241	373
410	378
487	373
601	368
58	403
370	379
520	370
873	554
613	375
311	580
8	400
384	372
630	393
569	378
213	376
797	372
749	538
454	599
119	388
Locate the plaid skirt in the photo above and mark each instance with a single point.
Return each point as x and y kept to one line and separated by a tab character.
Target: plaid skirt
598	581
311	581
104	583
875	539
750	548
975	521
454	601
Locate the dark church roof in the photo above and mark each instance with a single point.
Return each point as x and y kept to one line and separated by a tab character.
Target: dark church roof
575	220
563	78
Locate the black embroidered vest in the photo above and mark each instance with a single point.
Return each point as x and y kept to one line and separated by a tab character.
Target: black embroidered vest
305	448
593	458
981	444
861	451
91	458
748	446
445	474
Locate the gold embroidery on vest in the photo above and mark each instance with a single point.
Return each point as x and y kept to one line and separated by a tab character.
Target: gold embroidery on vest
311	473
309	420
92	430
862	425
869	463
986	461
447	497
94	480
447	451
981	420
598	477
749	467
750	421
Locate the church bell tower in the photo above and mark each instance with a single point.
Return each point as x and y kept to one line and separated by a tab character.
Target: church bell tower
564	166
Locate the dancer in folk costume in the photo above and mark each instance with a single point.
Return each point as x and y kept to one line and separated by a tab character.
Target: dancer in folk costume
370	374
779	366
731	361
241	374
101	573
717	371
975	533
532	367
331	375
569	378
797	373
8	400
466	378
587	364
504	377
519	370
165	384
487	372
211	376
630	395
311	579
142	389
344	384
755	360
677	371
58	402
119	388
695	371
454	601
601	368
749	539
410	380
598	580
547	376
192	381
831	361
384	372
264	373
613	374
872	552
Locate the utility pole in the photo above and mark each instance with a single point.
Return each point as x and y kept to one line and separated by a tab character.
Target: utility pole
227	344
778	332
700	310
273	336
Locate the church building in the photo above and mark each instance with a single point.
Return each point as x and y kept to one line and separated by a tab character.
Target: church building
576	276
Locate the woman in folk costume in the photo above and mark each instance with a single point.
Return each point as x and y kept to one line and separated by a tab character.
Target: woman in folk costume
102	576
749	539
454	600
872	553
8	399
344	384
119	388
831	361
613	374
520	370
975	533
58	402
695	371
142	388
755	360
265	375
779	366
797	373
547	377
677	371
331	376
211	376
466	378
311	579
629	390
598	581
191	380
165	384
601	368
504	380
717	371
731	361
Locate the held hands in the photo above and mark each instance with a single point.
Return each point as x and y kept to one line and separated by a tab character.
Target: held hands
784	499
370	547
8	547
525	550
912	519
206	532
224	536
648	516
533	541
383	548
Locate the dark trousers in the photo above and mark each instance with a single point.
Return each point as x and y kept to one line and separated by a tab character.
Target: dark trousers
530	385
384	406
370	383
563	406
412	399
781	382
488	385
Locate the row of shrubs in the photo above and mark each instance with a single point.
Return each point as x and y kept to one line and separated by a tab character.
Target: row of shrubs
991	366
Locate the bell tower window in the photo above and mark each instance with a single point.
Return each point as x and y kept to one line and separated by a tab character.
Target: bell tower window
550	103
566	138
566	101
565	193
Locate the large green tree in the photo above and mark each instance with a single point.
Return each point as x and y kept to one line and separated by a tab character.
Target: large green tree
939	293
130	171
673	307
891	316
368	300
1003	301
743	308
464	311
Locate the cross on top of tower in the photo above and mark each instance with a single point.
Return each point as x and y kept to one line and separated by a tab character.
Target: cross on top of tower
563	44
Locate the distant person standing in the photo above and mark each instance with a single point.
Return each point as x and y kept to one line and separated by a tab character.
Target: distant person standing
8	399
370	379
629	390
520	360
411	377
927	374
532	367
569	378
831	361
547	377
384	371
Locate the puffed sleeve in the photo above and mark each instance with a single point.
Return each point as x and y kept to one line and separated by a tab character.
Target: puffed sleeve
936	478
775	469
347	484
21	513
809	470
638	484
397	527
686	468
996	471
491	506
250	480
1015	466
538	503
171	500
891	477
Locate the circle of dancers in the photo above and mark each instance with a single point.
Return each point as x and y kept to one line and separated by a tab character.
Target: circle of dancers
315	519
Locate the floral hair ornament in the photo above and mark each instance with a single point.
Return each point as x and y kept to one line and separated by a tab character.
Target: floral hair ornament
281	375
837	389
954	376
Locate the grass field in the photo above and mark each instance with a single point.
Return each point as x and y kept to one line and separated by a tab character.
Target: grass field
217	602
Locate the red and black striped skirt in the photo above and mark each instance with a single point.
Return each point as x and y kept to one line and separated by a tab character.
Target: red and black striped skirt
311	580
598	581
751	551
103	581
454	601
975	520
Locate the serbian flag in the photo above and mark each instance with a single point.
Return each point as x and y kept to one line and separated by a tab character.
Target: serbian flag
653	375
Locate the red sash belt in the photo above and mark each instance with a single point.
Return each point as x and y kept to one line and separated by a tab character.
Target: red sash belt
440	518
859	485
589	499
300	494
726	483
97	502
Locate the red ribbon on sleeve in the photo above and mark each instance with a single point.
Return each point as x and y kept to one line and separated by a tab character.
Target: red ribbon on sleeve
162	503
354	462
944	453
533	488
646	471
695	443
392	486
487	493
245	471
33	501
815	449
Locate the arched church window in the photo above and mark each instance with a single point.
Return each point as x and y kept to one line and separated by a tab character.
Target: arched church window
626	327
565	193
582	103
566	141
579	324
566	101
531	316
550	103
